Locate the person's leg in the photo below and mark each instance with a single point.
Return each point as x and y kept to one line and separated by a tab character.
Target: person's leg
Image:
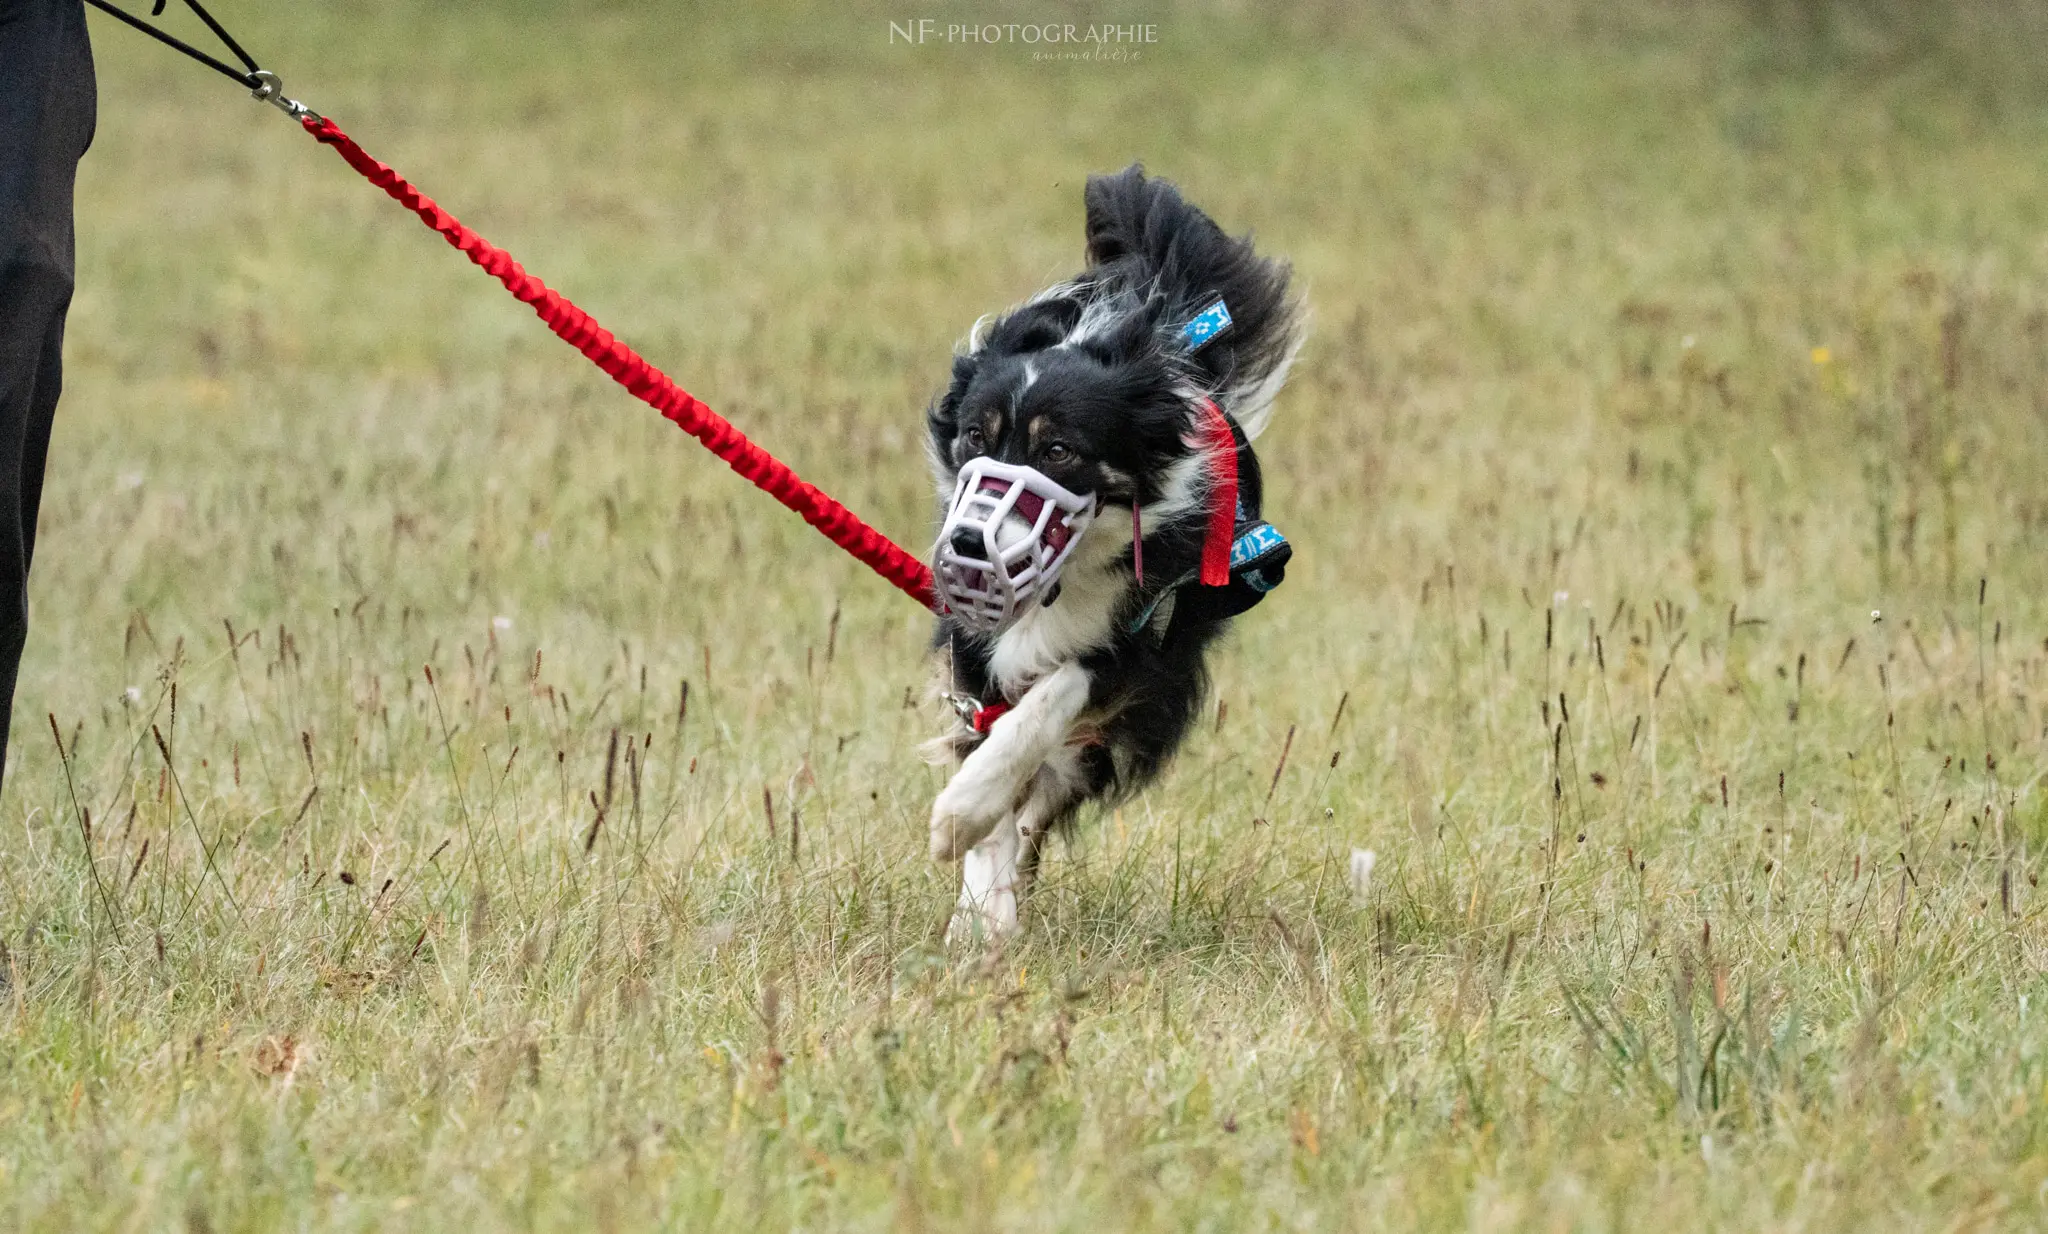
47	111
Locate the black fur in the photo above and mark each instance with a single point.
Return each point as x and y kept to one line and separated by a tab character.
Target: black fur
1090	383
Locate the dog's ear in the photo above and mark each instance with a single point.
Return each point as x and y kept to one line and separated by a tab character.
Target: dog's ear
1038	325
944	413
1132	334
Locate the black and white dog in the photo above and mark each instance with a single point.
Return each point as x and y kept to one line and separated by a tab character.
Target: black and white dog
1101	524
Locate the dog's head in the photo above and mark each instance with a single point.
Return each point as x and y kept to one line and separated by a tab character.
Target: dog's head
1095	385
1101	413
1045	423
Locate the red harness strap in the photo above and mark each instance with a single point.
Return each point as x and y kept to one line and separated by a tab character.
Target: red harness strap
985	718
648	383
1221	444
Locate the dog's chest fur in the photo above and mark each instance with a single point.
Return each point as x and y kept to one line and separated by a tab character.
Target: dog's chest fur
1081	620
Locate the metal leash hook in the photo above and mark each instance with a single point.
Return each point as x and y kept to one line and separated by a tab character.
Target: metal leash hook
270	89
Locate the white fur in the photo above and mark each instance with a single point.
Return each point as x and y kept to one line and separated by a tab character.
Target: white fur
1182	489
1049	637
1014	528
1252	404
1097	316
1058	291
977	335
992	779
945	476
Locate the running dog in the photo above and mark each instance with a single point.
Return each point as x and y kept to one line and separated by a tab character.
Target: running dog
1100	529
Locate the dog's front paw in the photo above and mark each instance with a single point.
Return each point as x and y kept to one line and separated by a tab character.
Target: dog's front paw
987	921
967	810
990	886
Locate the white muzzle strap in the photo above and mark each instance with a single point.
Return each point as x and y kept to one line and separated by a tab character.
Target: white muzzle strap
1007	532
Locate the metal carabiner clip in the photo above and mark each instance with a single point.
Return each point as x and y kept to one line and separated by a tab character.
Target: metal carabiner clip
966	706
271	91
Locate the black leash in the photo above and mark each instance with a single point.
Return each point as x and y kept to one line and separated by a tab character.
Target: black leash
218	31
247	78
263	84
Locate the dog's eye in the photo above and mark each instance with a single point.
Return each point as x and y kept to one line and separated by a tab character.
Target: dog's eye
1058	452
973	439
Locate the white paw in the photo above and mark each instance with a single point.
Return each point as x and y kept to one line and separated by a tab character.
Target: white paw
989	919
988	889
966	811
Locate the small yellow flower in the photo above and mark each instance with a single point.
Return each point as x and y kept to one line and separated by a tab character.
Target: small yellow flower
1823	356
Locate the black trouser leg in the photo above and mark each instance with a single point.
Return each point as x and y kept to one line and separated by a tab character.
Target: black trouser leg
47	102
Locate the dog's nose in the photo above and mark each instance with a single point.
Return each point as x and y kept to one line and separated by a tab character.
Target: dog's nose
967	542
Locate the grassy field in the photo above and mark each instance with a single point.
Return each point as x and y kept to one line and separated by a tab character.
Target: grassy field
1657	353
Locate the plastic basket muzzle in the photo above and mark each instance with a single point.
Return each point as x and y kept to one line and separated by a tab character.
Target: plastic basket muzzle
1025	526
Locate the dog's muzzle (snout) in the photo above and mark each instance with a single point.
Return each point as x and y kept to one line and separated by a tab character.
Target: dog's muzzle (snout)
1008	531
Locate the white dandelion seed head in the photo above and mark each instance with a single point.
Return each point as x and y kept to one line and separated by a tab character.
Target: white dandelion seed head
1362	862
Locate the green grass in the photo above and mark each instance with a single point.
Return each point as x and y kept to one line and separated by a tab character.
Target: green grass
1655	349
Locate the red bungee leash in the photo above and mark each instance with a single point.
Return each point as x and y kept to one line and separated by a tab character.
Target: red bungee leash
644	381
